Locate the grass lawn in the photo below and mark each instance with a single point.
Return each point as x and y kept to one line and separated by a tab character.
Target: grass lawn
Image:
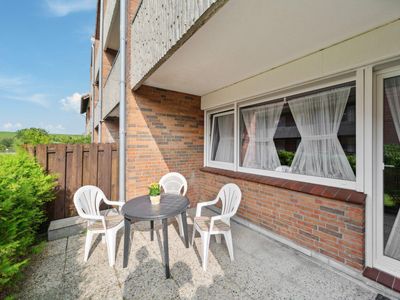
10	134
7	134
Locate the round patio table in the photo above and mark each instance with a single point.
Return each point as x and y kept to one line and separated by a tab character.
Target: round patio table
141	209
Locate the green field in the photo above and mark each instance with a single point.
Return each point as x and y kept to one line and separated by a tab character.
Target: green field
10	134
7	134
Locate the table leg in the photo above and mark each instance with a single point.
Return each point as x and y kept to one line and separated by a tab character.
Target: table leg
166	255
152	230
185	229
127	238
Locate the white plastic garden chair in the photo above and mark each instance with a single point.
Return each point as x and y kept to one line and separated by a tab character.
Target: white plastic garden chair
230	196
175	183
87	200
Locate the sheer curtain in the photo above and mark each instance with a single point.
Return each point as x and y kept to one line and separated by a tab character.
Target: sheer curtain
392	92
318	119
224	146
261	123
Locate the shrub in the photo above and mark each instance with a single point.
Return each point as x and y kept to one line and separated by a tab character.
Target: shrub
286	157
392	155
32	136
24	189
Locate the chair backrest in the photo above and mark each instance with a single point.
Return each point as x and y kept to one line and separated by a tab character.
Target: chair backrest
87	200
230	196
174	183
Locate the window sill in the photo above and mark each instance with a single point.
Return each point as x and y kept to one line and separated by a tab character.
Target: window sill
335	193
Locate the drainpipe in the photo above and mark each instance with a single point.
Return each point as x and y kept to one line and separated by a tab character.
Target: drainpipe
122	102
93	79
100	105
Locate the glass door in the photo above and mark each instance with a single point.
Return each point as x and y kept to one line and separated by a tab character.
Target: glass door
387	229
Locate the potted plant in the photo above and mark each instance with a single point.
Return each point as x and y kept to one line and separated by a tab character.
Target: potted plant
154	193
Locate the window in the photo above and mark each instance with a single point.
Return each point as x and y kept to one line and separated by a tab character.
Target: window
222	139
311	134
301	137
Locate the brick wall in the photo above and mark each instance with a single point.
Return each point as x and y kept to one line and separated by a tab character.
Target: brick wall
164	134
330	227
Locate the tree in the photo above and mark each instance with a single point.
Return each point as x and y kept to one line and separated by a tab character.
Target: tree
32	136
7	142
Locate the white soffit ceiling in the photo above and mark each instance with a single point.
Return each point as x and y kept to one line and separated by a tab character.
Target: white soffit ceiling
247	37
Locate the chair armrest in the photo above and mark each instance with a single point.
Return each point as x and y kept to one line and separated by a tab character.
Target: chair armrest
203	204
116	203
95	218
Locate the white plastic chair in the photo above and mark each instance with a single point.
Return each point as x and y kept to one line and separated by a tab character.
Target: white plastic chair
87	200
230	196
175	183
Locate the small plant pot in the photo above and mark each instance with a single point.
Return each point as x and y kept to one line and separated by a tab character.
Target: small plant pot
155	199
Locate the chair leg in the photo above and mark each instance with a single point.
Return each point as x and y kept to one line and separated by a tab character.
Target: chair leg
180	225
228	240
218	238
193	235
88	244
206	242
111	237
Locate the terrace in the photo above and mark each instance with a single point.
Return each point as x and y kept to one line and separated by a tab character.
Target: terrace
263	269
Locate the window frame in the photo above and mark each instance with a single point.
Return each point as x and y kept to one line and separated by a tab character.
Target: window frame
283	94
210	137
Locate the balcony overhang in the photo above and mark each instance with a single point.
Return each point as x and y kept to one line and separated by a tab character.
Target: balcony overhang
111	25
245	38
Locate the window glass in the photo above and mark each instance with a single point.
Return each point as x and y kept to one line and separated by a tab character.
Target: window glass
222	141
310	134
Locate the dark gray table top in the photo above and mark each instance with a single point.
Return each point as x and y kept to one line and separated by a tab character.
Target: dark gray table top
142	209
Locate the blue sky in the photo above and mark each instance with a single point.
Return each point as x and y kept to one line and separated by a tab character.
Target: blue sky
44	63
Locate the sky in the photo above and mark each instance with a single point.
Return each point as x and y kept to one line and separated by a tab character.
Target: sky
45	63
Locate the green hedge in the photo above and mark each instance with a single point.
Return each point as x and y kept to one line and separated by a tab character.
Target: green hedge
24	188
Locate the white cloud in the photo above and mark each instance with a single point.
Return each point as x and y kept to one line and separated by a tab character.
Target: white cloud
61	8
39	99
72	103
7	83
11	127
53	128
20	88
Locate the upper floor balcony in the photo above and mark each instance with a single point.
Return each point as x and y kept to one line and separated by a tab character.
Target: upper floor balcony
111	88
111	25
160	27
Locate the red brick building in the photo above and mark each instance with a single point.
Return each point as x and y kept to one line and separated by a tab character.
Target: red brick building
242	91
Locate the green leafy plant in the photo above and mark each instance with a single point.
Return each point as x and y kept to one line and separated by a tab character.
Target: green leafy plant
32	136
392	155
24	189
352	161
154	189
285	157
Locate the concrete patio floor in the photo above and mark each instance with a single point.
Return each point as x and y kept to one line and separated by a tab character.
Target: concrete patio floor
263	269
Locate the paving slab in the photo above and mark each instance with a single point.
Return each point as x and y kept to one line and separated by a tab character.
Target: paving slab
262	269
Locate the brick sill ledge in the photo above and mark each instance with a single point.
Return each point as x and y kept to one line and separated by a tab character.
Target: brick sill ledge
319	190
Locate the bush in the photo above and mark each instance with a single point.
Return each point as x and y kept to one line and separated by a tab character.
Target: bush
285	157
392	155
32	136
24	189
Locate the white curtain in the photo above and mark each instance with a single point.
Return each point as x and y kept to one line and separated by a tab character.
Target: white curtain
392	93
224	145
261	123
318	119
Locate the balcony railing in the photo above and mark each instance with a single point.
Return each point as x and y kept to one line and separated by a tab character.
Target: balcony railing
111	25
111	88
160	25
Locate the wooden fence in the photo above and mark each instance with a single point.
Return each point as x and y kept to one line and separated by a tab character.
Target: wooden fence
75	166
